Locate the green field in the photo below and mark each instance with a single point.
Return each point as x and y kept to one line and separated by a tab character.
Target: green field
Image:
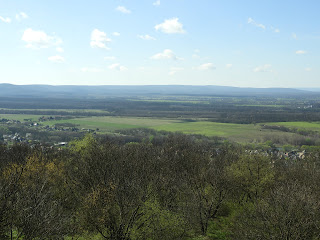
209	128
21	117
59	110
235	132
260	105
107	124
172	101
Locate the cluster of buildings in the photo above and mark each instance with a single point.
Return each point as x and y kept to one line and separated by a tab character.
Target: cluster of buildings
16	138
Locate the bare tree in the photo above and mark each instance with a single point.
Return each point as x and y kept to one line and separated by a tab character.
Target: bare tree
290	211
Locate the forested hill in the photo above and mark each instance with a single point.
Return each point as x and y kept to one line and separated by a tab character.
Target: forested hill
9	90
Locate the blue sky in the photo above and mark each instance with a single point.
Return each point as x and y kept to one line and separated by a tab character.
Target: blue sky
263	43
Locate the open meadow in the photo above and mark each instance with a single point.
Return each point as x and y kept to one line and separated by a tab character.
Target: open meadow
107	124
245	119
241	133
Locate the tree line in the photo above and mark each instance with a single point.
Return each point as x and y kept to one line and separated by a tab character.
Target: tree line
243	110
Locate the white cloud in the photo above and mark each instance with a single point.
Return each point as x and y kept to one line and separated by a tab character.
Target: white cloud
99	39
57	59
170	26
116	34
229	65
146	37
166	54
263	68
308	69
276	30
301	52
59	49
174	70
109	58
6	20
206	66
21	15
253	22
294	36
157	3
94	70
117	66
195	56
123	9
39	39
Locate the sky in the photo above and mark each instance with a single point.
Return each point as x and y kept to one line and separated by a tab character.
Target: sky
247	43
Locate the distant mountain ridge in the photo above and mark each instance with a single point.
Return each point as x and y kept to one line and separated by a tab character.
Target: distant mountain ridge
310	89
81	91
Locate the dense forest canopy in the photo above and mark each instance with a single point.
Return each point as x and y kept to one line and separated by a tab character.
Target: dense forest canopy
170	186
